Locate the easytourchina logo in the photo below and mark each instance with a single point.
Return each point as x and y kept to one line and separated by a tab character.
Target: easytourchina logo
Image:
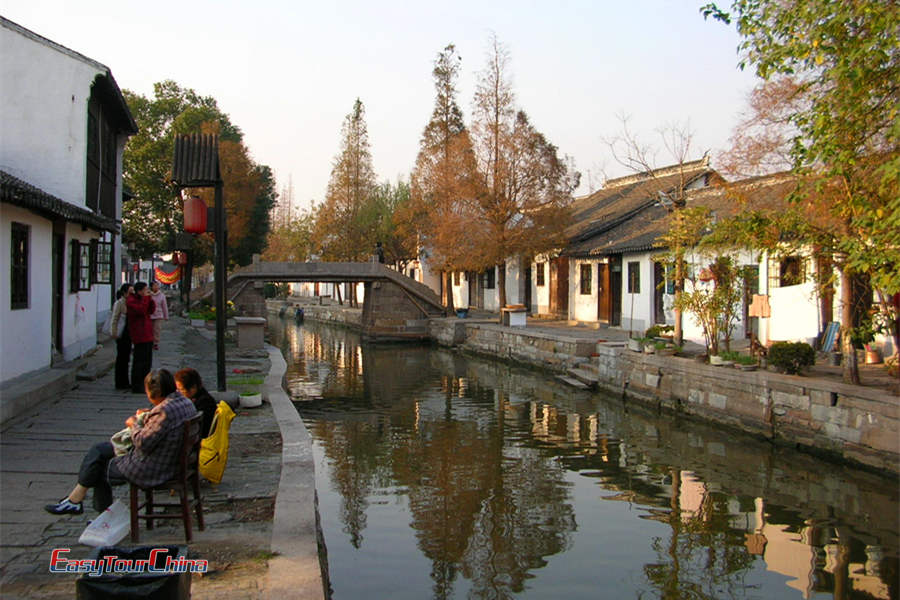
112	564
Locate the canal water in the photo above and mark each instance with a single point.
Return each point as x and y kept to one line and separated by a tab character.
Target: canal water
446	476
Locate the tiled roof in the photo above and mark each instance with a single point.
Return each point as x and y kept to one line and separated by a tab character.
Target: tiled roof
624	199
640	231
15	191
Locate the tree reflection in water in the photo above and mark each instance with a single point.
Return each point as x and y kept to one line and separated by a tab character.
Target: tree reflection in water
486	458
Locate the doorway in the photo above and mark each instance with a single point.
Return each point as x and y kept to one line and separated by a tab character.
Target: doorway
659	287
603	293
57	285
615	290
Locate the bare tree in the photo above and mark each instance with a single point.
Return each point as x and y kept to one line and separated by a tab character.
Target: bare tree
633	153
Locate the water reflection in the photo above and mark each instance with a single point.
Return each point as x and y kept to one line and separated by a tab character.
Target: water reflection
446	476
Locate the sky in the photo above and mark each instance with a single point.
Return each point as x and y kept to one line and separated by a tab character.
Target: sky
288	72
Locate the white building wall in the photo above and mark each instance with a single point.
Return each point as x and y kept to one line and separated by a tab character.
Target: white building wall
460	291
582	307
46	117
492	296
540	294
25	334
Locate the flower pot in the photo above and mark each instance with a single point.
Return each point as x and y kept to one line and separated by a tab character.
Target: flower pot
251	400
649	349
745	367
716	360
873	357
634	345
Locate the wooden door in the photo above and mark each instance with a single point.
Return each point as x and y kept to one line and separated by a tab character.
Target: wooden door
603	293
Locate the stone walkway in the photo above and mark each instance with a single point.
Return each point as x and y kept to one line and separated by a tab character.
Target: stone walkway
40	453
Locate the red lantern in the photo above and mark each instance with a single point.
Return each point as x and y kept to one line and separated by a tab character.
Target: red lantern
194	215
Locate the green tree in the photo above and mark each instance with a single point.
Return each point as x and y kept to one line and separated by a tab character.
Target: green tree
527	186
846	60
151	219
340	233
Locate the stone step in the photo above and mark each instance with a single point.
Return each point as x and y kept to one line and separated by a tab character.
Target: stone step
586	377
572	382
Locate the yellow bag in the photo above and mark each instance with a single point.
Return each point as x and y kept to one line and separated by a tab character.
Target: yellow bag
214	449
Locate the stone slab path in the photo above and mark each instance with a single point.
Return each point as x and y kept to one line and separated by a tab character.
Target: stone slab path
41	450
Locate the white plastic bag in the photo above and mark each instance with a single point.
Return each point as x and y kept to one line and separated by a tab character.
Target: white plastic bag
109	527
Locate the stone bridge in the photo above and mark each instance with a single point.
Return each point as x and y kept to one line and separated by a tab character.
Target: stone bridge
395	306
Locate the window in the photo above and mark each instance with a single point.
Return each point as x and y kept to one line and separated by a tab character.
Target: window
787	271
101	262
412	273
455	277
670	279
634	278
587	272
539	273
81	267
18	297
488	279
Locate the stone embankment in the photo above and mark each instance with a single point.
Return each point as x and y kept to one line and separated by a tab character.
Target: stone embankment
852	423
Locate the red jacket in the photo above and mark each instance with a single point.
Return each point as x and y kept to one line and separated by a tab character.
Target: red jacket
140	327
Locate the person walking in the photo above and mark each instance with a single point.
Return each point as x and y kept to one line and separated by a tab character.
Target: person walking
160	314
119	331
140	306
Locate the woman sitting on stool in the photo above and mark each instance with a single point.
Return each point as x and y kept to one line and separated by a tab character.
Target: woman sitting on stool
153	457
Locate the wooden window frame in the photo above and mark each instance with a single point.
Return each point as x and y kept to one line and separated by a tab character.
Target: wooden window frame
101	262
80	267
586	278
489	279
539	277
634	277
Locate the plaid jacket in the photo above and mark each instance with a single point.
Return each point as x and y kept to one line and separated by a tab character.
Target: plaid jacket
154	457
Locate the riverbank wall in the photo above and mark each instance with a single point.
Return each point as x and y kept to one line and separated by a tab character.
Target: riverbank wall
844	422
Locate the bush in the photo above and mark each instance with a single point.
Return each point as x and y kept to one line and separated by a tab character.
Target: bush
791	357
658	331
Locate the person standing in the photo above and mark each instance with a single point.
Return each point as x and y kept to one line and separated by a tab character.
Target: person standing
160	314
119	331
140	306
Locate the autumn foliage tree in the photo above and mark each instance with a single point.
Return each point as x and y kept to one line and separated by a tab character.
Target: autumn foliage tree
444	182
527	187
340	233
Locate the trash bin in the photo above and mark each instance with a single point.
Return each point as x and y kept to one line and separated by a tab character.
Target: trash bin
136	580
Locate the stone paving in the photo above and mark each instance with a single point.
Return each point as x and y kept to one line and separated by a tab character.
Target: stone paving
40	453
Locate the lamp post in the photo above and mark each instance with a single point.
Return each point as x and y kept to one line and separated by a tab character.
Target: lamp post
196	164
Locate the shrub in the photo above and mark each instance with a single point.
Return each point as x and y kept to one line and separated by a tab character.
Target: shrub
743	359
658	330
791	357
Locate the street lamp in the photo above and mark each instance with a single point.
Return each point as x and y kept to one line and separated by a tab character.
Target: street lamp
196	164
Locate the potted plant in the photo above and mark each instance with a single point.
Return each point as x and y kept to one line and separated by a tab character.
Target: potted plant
635	344
251	399
745	363
665	348
715	360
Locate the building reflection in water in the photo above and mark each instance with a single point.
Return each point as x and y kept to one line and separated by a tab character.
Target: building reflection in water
488	460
